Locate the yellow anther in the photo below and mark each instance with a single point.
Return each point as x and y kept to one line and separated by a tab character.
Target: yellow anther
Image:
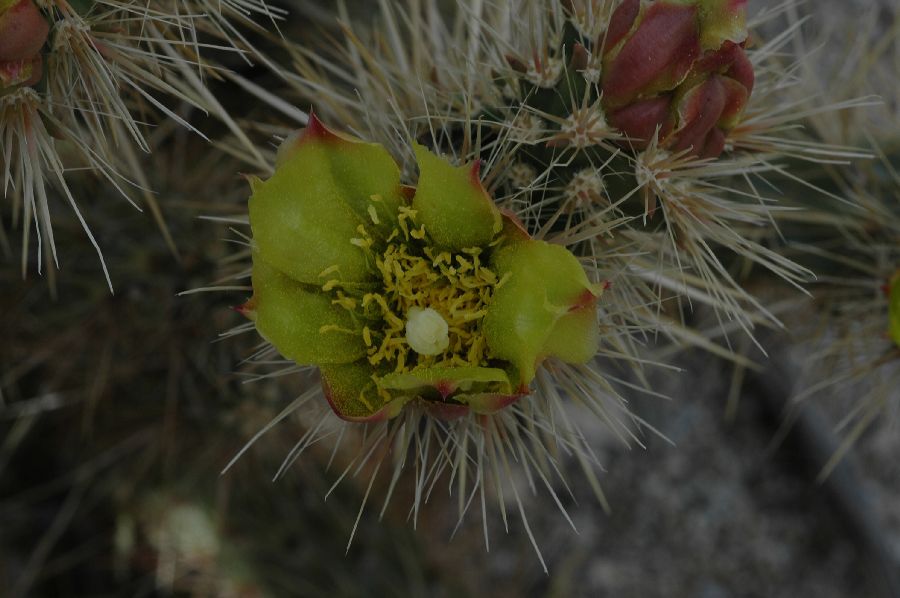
335	328
329	270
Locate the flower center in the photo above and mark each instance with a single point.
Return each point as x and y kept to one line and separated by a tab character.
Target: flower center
426	308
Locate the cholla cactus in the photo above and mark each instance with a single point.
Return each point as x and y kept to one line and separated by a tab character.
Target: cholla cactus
547	87
636	134
78	84
677	71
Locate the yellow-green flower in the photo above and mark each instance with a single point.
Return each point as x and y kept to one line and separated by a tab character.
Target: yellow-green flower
400	295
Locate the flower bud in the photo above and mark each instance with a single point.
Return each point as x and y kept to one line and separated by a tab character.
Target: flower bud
677	67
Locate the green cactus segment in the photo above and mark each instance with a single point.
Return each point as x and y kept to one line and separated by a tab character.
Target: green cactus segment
301	323
894	308
452	204
353	395
544	289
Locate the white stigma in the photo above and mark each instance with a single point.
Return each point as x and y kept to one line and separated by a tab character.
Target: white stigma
426	331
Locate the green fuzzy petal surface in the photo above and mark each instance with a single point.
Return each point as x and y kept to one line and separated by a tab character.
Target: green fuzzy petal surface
353	396
305	215
452	204
546	307
291	316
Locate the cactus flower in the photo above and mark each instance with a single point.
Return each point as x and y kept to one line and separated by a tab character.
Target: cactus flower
677	66
23	31
399	295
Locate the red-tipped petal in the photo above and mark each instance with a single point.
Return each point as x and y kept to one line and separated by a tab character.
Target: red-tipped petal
513	228
247	309
315	128
452	203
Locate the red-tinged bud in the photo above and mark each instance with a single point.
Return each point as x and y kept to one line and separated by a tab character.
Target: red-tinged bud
621	23
741	70
20	72
655	57
639	120
23	30
698	114
677	69
736	96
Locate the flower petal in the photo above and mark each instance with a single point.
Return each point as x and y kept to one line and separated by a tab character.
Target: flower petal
359	169
446	381
576	335
699	109
452	203
325	186
301	323
545	284
722	21
353	395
